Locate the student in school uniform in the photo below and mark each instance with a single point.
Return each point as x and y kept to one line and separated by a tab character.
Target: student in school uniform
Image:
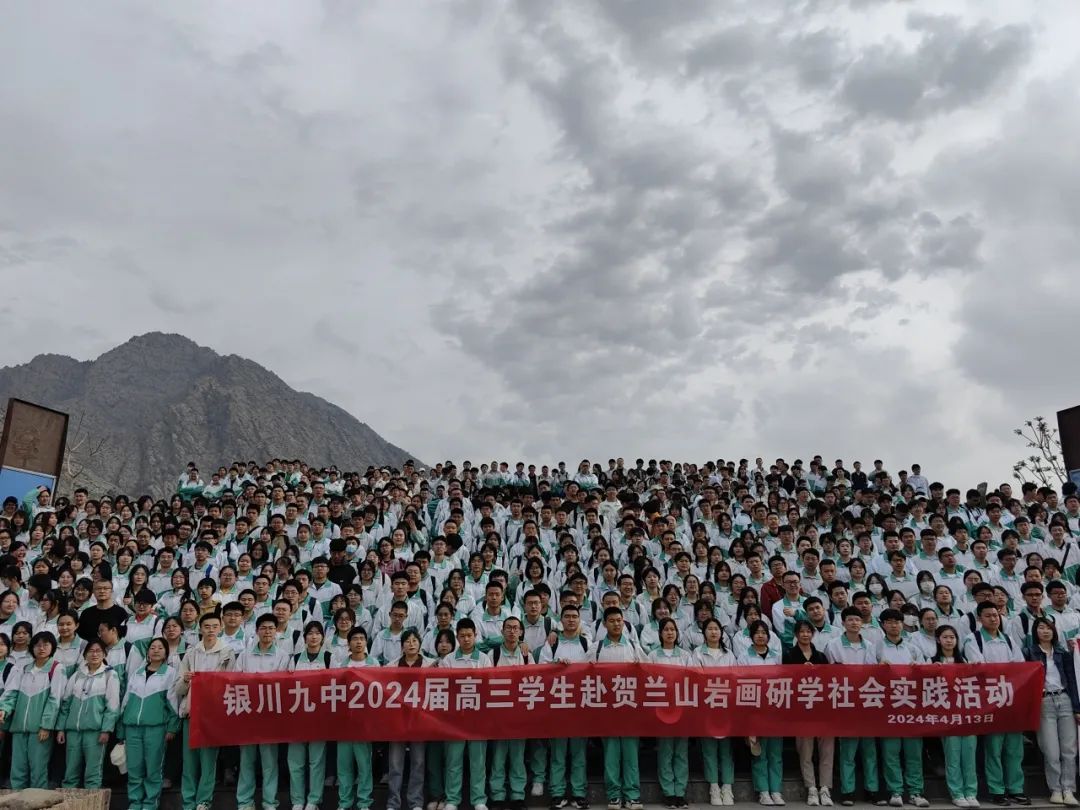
29	708
898	650
853	649
818	786
307	761
355	783
507	760
88	714
1004	753
673	766
961	777
719	767
767	764
265	655
466	656
567	646
622	779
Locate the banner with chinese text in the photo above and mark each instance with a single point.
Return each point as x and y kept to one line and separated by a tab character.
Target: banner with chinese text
613	700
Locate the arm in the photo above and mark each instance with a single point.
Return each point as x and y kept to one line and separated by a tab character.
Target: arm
112	704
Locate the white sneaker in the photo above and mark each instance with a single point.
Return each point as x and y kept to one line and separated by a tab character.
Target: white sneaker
537	789
896	800
449	807
614	806
812	797
294	807
1070	798
778	799
727	795
480	807
716	798
960	801
1056	797
973	802
919	800
432	806
825	797
316	807
765	799
202	807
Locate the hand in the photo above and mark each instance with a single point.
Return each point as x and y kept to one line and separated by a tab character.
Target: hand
43	735
563	661
525	649
2	716
552	637
789	611
169	736
103	738
187	677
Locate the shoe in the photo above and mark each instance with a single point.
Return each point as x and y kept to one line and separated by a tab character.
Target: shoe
919	800
960	801
294	807
727	795
999	800
765	799
682	805
1056	797
418	808
825	796
634	805
896	800
1018	798
537	789
202	807
669	803
580	803
812	797
247	807
847	801
778	799
973	802
480	807
316	807
614	806
559	803
1070	798
449	807
716	796
432	806
442	805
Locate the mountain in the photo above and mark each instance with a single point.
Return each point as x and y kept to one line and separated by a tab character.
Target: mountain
141	411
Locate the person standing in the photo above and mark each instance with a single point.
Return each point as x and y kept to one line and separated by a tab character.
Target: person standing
567	646
148	722
622	779
265	655
31	703
209	654
466	656
1060	711
411	658
355	784
507	764
88	715
819	787
719	768
673	766
961	777
1004	753
767	765
307	760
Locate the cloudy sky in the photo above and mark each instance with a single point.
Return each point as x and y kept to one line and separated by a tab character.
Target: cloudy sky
546	230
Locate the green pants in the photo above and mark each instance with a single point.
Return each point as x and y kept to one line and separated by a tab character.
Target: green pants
560	748
672	765
85	756
455	771
1004	758
435	765
719	767
267	758
508	763
622	780
538	756
307	771
767	770
850	749
30	761
145	747
960	774
200	773
911	775
355	787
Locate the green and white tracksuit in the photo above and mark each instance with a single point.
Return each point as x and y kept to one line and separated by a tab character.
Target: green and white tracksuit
31	703
355	784
893	749
455	751
843	651
90	707
275	659
147	713
507	761
200	765
672	759
766	770
567	754
719	767
307	761
1004	753
622	778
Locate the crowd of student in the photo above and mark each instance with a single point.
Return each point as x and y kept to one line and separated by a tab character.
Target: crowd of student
109	606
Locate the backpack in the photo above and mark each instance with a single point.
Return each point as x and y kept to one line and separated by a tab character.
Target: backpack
581	640
979	640
327	658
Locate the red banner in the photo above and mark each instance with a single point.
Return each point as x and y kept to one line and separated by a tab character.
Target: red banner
613	700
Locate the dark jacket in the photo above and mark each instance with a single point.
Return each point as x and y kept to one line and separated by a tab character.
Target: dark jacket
1063	660
795	656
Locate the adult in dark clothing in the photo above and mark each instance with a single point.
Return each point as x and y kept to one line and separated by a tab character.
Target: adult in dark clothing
818	786
105	609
